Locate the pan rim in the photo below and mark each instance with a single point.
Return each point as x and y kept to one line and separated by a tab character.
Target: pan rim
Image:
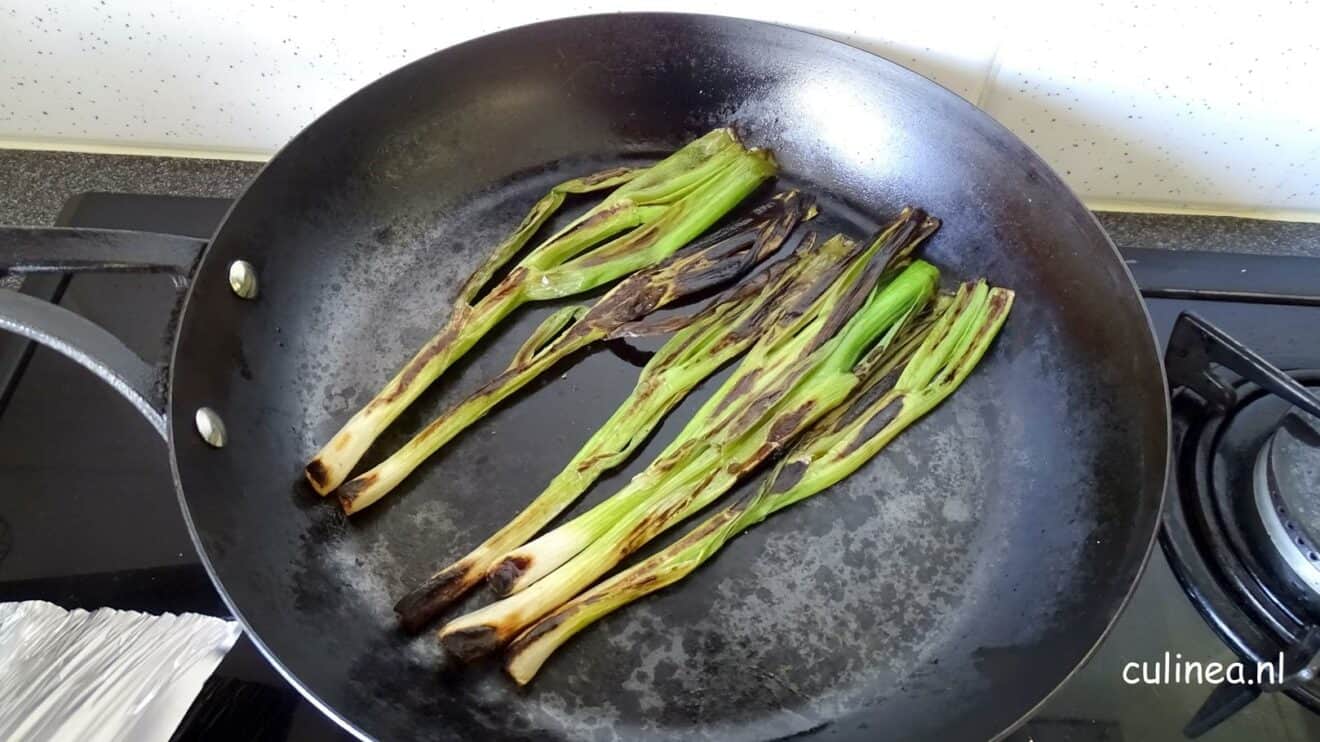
1081	216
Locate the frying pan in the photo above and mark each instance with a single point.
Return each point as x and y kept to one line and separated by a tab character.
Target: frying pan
942	592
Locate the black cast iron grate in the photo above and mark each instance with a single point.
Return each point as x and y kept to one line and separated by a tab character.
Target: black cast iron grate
1219	556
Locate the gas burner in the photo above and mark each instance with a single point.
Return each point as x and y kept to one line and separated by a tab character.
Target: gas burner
1264	520
1241	528
1286	482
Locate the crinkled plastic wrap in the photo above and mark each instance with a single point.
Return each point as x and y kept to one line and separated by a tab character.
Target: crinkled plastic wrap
104	674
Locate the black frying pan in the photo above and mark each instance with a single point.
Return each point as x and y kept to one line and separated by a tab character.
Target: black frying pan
940	593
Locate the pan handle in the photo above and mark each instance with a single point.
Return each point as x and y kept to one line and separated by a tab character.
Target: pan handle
34	250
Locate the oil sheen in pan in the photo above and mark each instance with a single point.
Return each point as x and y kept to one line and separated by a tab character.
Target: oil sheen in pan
817	611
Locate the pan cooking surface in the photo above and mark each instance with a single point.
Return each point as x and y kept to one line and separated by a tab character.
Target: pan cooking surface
941	591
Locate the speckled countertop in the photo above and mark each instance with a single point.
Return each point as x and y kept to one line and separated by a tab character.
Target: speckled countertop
36	184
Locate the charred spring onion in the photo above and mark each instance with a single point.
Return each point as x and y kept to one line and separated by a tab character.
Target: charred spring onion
651	214
718	333
726	255
841	346
802	367
829	292
834	448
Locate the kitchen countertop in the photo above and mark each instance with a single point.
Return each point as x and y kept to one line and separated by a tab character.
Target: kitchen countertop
37	183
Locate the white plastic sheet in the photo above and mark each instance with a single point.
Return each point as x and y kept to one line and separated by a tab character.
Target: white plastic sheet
102	675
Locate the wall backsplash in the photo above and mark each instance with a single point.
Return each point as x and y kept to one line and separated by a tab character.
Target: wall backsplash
1210	105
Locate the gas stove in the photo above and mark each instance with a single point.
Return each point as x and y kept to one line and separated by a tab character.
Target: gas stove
89	517
1242	522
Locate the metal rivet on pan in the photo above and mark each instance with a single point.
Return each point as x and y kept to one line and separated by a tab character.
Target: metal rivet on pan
210	427
243	279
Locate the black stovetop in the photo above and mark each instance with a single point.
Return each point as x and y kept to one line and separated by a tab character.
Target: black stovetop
89	518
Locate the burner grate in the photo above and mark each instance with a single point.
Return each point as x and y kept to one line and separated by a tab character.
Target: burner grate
1218	540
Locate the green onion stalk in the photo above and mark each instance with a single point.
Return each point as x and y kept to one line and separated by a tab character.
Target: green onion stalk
724	256
840	276
718	333
769	400
648	216
833	449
